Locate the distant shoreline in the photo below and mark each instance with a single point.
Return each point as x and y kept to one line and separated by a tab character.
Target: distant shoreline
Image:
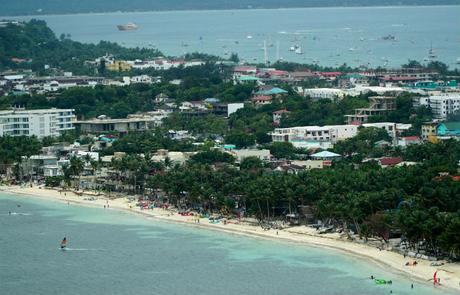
36	15
298	235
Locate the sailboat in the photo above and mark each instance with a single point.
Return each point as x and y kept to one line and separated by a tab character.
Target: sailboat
299	50
64	243
431	53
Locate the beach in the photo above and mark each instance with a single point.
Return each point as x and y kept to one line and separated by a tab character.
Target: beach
422	272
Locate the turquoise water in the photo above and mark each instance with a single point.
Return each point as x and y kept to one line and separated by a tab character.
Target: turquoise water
116	253
330	36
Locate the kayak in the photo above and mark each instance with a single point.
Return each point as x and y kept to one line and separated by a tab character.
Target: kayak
382	282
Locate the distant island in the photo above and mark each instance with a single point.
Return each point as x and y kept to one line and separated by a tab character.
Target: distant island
33	7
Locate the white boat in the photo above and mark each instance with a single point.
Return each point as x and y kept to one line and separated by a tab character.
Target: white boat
294	48
432	53
458	61
249	37
127	27
299	50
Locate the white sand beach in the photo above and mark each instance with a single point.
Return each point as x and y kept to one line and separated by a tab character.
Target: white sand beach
422	272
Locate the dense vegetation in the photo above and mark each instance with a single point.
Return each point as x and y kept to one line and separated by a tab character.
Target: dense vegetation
13	148
78	6
413	202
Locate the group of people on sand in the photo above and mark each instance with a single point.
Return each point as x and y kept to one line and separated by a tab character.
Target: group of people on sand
411	263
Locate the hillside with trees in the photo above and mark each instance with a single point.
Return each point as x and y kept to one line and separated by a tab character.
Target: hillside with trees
36	44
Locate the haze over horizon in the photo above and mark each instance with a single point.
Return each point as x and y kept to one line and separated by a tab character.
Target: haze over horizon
34	7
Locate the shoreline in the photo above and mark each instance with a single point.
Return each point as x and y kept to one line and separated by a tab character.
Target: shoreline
37	15
300	235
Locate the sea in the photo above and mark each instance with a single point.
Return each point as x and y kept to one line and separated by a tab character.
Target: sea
112	252
358	36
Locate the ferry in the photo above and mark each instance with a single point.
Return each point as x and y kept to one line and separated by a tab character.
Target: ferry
127	27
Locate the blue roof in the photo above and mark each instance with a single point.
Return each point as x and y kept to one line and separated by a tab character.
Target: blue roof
449	129
273	91
212	100
248	78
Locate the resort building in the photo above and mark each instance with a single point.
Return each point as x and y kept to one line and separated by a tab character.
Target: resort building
41	123
441	105
314	136
333	94
137	122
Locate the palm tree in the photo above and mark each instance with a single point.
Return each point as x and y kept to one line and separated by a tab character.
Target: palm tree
76	167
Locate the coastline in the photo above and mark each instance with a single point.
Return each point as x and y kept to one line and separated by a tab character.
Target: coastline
423	272
225	9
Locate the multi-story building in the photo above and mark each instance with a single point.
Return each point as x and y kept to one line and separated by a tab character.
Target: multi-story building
441	105
314	136
323	93
41	123
134	122
429	130
378	105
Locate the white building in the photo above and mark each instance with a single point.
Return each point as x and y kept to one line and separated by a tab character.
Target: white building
142	79
233	107
314	136
263	155
134	122
323	93
441	105
41	123
389	127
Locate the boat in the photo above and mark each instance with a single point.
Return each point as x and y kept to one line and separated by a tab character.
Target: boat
127	27
389	37
383	282
64	243
432	53
299	50
458	61
249	36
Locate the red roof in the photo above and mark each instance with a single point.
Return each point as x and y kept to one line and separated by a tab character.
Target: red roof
330	74
277	72
281	112
245	69
390	161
